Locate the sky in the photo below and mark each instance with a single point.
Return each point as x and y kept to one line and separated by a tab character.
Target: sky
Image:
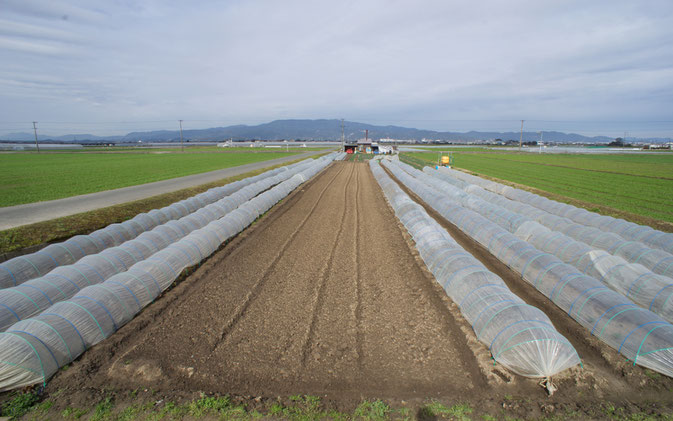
113	66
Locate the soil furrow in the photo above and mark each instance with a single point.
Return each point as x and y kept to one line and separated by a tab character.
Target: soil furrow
327	268
358	281
255	290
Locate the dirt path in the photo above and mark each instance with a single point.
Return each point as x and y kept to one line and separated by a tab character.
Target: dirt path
323	296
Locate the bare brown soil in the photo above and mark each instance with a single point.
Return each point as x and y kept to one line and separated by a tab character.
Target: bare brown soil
322	296
325	296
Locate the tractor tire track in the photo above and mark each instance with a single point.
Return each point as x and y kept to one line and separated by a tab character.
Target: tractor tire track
254	292
357	313
327	268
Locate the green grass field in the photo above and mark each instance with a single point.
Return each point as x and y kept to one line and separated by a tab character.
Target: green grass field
455	148
359	157
639	184
27	178
188	148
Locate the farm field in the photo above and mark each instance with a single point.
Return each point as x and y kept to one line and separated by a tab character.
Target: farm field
28	178
322	309
358	157
176	149
638	184
435	149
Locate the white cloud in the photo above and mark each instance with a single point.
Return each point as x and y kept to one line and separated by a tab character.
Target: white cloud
404	62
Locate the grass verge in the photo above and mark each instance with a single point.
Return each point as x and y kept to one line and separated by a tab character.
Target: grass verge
148	405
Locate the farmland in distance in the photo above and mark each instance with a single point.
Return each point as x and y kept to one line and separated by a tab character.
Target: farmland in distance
31	177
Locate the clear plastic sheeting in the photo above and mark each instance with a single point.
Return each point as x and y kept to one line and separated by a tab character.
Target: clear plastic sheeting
519	336
632	280
22	268
33	349
658	261
632	242
33	296
637	333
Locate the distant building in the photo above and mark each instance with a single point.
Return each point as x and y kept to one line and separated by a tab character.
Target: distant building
385	149
658	146
401	141
367	146
350	147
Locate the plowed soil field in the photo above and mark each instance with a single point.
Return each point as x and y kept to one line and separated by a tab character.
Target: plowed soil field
326	296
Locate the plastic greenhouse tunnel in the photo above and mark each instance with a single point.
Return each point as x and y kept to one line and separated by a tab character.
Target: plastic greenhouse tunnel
634	243
23	268
33	349
519	336
640	335
35	295
645	288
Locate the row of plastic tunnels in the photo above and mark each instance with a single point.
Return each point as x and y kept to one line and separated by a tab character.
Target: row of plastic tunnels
615	278
67	297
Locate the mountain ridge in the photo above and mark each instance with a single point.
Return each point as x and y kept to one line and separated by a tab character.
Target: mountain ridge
318	130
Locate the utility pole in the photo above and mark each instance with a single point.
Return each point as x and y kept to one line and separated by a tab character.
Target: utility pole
182	145
343	138
35	130
521	137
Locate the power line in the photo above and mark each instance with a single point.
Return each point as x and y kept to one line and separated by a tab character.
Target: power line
182	146
343	138
35	130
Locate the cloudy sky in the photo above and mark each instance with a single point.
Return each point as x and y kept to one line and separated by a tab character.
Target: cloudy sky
109	67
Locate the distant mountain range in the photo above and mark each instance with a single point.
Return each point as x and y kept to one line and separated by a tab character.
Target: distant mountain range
307	130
